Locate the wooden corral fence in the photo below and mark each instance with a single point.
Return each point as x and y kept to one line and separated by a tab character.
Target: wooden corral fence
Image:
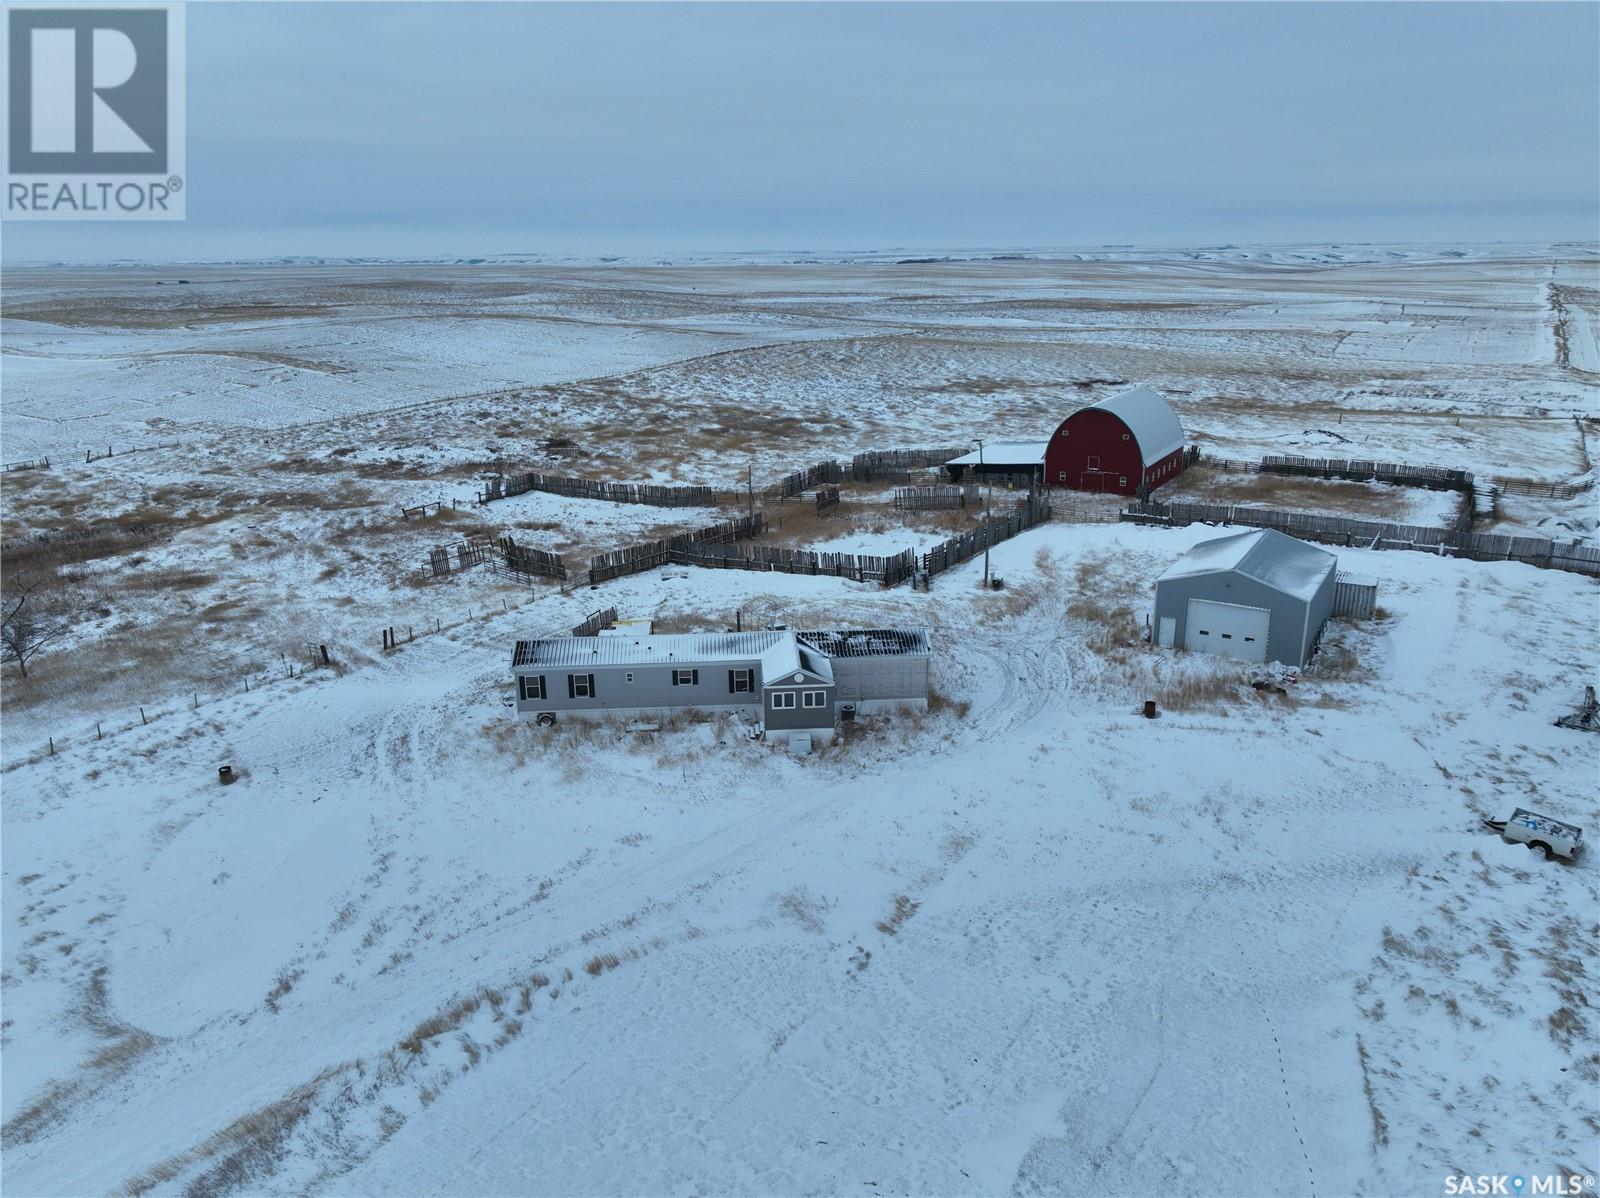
1541	490
776	559
634	559
1355	595
421	510
1031	511
30	464
463	555
1434	478
529	562
935	498
505	486
827	499
1083	507
812	476
895	465
1375	534
595	621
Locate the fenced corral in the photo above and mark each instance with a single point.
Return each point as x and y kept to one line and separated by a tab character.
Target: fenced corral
634	559
444	560
934	499
827	499
505	486
30	464
1355	595
1033	510
1375	534
534	563
889	571
1541	490
895	465
595	621
812	476
1434	478
1081	507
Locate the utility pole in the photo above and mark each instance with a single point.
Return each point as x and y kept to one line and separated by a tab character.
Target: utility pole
986	489
750	483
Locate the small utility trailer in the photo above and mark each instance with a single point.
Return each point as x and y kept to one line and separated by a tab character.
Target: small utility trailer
1549	836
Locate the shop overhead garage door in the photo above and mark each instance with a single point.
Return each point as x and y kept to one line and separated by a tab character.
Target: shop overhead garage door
1227	630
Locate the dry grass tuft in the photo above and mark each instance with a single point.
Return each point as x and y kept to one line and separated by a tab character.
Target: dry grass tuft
904	908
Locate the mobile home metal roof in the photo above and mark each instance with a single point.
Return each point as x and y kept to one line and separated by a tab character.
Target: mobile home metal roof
1267	555
812	652
641	650
1149	418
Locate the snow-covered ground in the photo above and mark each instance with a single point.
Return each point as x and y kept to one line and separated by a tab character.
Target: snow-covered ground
1029	942
957	955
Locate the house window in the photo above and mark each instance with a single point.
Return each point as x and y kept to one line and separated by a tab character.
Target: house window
685	677
782	699
741	682
1122	480
1094	463
816	699
532	686
580	686
1061	476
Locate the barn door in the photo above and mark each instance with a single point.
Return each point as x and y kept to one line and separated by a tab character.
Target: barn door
1169	631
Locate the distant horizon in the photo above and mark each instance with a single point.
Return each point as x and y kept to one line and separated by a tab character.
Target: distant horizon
817	256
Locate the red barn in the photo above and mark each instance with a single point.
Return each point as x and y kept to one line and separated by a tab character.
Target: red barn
1118	445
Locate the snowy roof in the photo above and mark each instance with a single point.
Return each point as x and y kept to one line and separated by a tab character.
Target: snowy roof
1149	418
1267	555
1005	453
871	642
686	647
789	656
785	651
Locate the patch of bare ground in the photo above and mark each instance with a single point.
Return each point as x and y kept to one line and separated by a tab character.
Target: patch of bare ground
797	523
1207	484
172	310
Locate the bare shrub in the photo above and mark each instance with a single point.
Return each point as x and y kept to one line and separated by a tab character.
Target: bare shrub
597	965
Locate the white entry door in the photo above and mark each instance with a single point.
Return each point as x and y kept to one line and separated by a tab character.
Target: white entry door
1227	629
1169	631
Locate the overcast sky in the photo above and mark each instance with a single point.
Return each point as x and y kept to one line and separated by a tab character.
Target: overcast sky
462	129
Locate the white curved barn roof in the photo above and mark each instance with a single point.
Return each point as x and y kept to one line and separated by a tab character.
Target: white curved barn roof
1150	419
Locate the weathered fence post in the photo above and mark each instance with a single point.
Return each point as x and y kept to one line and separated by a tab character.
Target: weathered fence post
142	720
